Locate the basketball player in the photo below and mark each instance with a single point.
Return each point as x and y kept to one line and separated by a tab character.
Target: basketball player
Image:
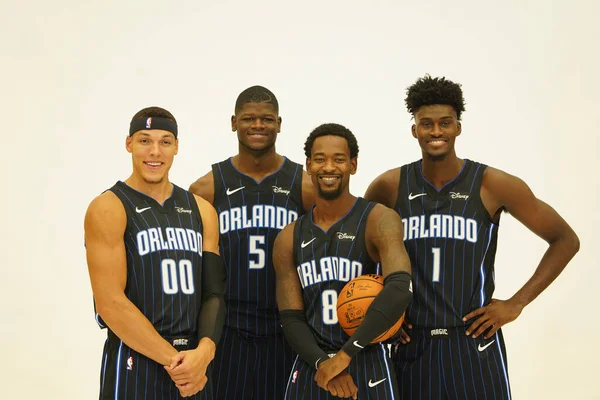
256	193
157	278
450	208
341	238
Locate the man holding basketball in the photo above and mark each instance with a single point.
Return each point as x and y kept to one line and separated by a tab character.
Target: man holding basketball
341	238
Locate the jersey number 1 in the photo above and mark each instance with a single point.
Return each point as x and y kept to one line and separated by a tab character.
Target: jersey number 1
436	264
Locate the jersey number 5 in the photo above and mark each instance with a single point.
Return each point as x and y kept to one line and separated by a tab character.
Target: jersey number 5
253	242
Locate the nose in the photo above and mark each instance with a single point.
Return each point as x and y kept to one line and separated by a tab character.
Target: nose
436	131
258	123
328	166
154	148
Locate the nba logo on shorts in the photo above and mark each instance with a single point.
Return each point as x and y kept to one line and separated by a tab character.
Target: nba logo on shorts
149	123
130	364
294	376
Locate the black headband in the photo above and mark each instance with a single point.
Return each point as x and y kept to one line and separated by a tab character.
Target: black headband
164	124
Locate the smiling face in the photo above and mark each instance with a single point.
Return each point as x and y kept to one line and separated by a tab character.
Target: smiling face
257	126
330	166
152	153
436	128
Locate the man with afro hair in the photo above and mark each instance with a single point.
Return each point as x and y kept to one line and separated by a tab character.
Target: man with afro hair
451	346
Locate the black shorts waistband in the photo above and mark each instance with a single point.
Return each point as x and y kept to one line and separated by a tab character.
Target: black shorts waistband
180	342
437	333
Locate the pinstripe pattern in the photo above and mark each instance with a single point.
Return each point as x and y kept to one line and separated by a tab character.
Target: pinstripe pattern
371	371
453	222
164	269
344	240
252	359
443	375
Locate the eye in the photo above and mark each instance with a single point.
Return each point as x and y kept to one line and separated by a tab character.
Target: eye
268	120
166	142
445	124
340	160
426	124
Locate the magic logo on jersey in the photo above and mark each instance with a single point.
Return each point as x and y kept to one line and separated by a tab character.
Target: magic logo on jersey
258	216
440	226
156	239
329	269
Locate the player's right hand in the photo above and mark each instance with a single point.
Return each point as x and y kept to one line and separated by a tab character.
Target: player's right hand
343	386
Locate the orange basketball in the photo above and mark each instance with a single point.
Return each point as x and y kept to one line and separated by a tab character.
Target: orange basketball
354	300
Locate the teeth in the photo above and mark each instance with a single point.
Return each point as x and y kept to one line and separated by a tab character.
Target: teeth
154	164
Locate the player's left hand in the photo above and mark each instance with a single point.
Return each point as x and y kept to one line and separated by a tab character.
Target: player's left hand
188	368
492	316
331	368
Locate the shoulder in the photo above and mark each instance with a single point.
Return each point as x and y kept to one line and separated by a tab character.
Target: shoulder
384	188
207	211
381	214
106	211
498	182
308	191
286	236
204	187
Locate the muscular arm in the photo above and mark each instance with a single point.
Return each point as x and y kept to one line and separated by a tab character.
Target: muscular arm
512	194
214	277
105	223
384	189
290	303
204	187
385	244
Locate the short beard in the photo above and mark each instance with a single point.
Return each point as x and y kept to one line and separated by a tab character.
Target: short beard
329	195
155	182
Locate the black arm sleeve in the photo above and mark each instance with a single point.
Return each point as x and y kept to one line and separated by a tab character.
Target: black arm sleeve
300	337
385	310
212	312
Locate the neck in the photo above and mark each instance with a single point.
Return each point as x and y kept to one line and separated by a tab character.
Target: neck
327	212
158	191
439	171
257	163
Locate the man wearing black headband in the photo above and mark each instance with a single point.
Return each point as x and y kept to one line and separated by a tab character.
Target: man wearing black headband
156	274
256	193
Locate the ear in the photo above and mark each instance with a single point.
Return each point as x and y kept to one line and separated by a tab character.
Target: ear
308	165
129	143
458	128
279	120
413	129
176	146
233	123
353	165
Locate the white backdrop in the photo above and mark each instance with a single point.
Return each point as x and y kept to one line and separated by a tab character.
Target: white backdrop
73	74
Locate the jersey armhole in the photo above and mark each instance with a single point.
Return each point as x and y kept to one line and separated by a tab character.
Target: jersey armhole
217	183
403	172
480	205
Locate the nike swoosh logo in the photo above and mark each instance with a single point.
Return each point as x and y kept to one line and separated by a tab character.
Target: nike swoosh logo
358	345
303	245
141	210
411	196
373	384
230	192
482	348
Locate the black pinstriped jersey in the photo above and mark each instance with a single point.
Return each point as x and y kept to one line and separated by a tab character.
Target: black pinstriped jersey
451	241
325	262
163	245
251	214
